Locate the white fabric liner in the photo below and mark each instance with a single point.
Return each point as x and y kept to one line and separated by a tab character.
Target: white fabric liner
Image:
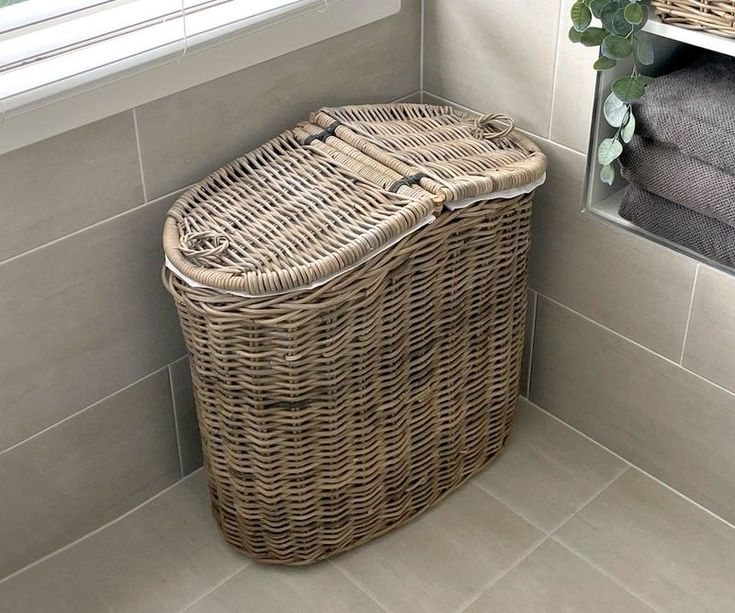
505	194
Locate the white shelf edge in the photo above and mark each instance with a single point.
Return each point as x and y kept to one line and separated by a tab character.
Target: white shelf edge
696	38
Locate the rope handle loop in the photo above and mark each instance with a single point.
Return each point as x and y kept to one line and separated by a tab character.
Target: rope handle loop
203	245
492	126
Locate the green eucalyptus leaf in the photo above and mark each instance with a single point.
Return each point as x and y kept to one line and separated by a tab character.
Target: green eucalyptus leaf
607	174
574	36
616	47
609	151
646	79
634	14
581	16
615	110
593	37
619	24
629	128
608	13
604	63
629	89
596	7
643	50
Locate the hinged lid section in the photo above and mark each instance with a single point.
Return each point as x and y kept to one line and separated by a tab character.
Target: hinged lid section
284	217
454	153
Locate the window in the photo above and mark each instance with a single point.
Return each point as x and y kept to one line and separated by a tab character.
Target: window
52	48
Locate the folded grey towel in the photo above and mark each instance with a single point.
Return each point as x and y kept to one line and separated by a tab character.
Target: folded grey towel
692	109
683	179
679	224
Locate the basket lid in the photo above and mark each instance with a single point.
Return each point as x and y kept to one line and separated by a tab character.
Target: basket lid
283	218
458	154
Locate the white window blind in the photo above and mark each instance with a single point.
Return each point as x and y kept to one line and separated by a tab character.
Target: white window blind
51	48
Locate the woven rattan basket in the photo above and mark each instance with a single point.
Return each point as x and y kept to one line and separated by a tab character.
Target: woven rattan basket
714	16
354	344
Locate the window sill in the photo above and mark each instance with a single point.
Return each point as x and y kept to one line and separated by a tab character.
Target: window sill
210	62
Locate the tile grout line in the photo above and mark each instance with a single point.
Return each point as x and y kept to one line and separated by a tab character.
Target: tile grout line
356	582
637	344
246	564
85	409
605	573
474	482
547	535
140	154
556	66
532	342
92	226
98	529
422	45
631	465
176	420
689	317
406	97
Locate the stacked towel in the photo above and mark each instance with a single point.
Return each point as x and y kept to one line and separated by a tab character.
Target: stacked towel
682	166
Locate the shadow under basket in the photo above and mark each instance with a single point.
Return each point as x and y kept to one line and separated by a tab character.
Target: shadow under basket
355	340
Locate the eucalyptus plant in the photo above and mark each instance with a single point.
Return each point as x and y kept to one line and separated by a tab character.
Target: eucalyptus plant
618	35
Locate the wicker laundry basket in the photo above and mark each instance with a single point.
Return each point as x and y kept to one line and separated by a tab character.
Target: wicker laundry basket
354	343
714	16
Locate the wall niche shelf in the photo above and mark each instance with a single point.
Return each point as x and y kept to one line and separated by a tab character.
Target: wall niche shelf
675	48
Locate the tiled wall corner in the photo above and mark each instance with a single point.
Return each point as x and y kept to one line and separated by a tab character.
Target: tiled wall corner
187	428
493	56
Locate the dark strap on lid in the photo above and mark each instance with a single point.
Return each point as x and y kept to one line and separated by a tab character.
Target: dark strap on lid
407	182
324	134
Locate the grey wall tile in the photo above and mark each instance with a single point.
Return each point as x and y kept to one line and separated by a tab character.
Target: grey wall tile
710	346
68	182
671	423
317	589
574	88
189	134
86	471
430	565
160	558
83	317
528	342
473	56
548	471
187	429
626	283
554	579
672	554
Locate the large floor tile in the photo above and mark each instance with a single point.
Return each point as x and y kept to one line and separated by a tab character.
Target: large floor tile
553	579
710	346
444	558
671	553
83	318
314	589
670	422
68	182
627	283
187	135
548	471
187	428
473	56
162	557
85	471
574	88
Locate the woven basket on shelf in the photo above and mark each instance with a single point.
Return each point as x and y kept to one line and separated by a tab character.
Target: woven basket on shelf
355	346
714	16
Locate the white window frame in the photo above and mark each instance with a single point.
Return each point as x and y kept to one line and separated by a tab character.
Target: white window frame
208	58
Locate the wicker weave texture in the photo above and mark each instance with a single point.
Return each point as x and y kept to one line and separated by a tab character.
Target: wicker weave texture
714	16
333	414
329	417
